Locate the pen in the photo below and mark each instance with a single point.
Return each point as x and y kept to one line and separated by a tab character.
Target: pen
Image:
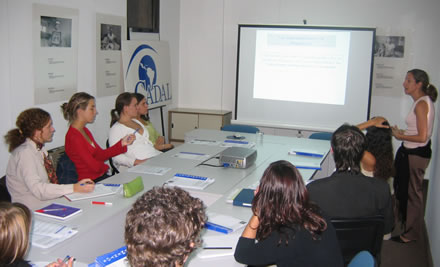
135	131
102	203
85	183
307	154
308	167
217	248
66	259
46	210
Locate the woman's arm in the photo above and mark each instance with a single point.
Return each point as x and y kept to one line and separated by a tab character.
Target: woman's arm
375	121
421	111
251	228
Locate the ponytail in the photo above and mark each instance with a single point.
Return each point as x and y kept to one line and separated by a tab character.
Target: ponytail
114	115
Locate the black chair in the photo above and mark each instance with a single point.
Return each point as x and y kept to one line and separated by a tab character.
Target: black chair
4	193
66	170
110	161
360	234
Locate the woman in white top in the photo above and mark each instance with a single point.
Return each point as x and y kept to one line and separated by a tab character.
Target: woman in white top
123	123
413	156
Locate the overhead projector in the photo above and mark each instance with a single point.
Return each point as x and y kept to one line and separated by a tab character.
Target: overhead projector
238	157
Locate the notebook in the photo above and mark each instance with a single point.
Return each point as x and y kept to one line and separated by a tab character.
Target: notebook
244	198
100	191
58	211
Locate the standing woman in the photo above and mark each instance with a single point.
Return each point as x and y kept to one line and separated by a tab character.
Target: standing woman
80	145
142	116
413	156
290	230
123	123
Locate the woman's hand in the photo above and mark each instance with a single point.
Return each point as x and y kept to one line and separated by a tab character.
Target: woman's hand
139	161
251	228
84	186
397	133
60	263
128	140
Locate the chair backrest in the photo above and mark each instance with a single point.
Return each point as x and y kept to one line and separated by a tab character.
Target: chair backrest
358	234
110	161
362	259
66	170
321	136
4	193
240	128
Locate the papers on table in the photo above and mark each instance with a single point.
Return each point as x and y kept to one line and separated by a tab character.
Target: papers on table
223	223
237	143
218	245
304	153
45	235
147	169
204	142
191	155
190	181
100	190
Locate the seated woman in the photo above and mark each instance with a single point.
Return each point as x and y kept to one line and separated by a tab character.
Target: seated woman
15	227
30	175
291	231
142	116
80	145
123	123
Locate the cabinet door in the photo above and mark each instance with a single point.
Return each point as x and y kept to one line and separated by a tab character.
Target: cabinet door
182	123
213	122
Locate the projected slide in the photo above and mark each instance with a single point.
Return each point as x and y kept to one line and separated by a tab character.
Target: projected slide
300	66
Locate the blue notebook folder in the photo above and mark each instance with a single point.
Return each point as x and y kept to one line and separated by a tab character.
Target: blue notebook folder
244	198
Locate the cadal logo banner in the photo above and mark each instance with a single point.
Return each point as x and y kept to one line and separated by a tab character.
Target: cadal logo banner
147	70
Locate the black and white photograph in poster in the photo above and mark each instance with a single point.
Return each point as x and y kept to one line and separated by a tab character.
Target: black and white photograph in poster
147	70
55	32
110	31
391	61
110	37
55	52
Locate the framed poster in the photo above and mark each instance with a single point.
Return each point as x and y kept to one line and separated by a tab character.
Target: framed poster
55	39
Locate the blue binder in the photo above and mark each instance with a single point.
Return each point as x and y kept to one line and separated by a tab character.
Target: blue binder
244	198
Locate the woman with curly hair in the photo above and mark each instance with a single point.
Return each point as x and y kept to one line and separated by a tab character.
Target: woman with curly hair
290	230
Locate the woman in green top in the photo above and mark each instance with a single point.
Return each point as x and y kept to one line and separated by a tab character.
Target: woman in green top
155	138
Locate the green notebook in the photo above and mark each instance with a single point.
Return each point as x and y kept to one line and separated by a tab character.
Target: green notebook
133	187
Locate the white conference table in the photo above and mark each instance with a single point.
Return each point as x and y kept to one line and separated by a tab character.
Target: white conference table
101	228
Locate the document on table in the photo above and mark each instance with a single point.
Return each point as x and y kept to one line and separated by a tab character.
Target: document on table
100	190
204	142
237	143
218	245
190	181
46	235
191	155
147	169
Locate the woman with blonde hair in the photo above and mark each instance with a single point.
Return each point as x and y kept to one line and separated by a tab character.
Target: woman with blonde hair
15	226
80	145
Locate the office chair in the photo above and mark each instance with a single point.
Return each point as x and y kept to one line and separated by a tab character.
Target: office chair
110	161
240	128
321	136
362	259
4	193
358	234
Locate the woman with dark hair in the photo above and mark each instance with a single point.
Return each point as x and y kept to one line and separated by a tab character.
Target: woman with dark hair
142	117
30	175
15	226
414	155
124	123
80	145
290	230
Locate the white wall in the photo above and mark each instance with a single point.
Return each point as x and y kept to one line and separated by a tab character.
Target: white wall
16	64
208	45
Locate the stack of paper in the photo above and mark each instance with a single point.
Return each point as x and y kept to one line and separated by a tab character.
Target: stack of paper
46	235
190	181
100	190
223	223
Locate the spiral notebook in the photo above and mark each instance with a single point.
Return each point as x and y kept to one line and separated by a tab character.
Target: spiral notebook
58	211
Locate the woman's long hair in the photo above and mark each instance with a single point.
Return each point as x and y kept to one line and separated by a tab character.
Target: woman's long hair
283	201
380	144
27	123
122	101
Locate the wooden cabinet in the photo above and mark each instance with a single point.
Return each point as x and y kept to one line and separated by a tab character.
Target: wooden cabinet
182	120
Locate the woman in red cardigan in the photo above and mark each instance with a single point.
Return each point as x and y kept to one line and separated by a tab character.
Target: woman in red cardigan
80	145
